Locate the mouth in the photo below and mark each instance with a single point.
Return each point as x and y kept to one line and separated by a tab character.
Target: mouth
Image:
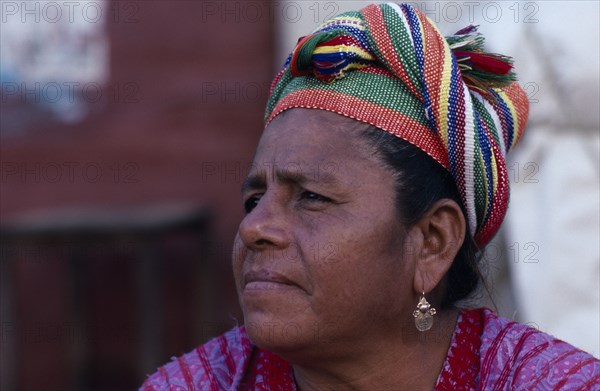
266	280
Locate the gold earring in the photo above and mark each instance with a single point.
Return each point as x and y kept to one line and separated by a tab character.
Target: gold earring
424	314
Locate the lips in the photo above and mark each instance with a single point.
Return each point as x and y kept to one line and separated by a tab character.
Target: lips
266	279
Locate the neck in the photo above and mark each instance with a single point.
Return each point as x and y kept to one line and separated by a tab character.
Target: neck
409	360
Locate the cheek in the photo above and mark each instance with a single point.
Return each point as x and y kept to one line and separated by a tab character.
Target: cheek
360	267
237	259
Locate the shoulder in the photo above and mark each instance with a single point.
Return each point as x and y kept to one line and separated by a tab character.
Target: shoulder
216	365
517	356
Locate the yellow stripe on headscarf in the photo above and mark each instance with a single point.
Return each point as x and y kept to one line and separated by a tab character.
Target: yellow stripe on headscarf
444	95
515	116
344	48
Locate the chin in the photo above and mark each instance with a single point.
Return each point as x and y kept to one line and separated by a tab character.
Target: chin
277	324
277	333
296	336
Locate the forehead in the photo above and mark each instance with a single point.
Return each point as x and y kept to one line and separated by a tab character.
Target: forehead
313	139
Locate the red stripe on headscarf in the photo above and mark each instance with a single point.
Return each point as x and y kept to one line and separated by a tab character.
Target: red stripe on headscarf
381	117
499	204
374	18
342	40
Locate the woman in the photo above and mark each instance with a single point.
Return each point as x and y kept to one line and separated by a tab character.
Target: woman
379	175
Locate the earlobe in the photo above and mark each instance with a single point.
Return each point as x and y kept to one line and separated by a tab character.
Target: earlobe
443	228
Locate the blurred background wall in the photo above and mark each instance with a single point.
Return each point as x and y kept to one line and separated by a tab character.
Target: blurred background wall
128	126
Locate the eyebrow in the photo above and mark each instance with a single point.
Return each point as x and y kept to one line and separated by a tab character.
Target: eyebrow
253	182
258	181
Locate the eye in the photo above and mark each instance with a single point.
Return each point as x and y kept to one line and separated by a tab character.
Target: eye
251	203
313	197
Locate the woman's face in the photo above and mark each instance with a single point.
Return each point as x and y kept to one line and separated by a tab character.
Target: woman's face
320	258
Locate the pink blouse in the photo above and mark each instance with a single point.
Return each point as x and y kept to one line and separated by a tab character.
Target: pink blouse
486	353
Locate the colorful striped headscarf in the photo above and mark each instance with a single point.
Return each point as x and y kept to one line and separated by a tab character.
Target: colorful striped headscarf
389	66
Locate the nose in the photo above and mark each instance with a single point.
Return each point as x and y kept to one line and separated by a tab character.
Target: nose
265	227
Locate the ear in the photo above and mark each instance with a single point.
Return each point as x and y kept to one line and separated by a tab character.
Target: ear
442	230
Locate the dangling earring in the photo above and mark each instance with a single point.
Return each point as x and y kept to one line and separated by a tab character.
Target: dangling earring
423	314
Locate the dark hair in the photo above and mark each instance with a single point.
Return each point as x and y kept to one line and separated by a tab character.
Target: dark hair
420	182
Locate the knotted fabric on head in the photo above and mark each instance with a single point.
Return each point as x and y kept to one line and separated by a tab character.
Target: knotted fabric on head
389	66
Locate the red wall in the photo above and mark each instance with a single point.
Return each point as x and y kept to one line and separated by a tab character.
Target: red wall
186	96
178	122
